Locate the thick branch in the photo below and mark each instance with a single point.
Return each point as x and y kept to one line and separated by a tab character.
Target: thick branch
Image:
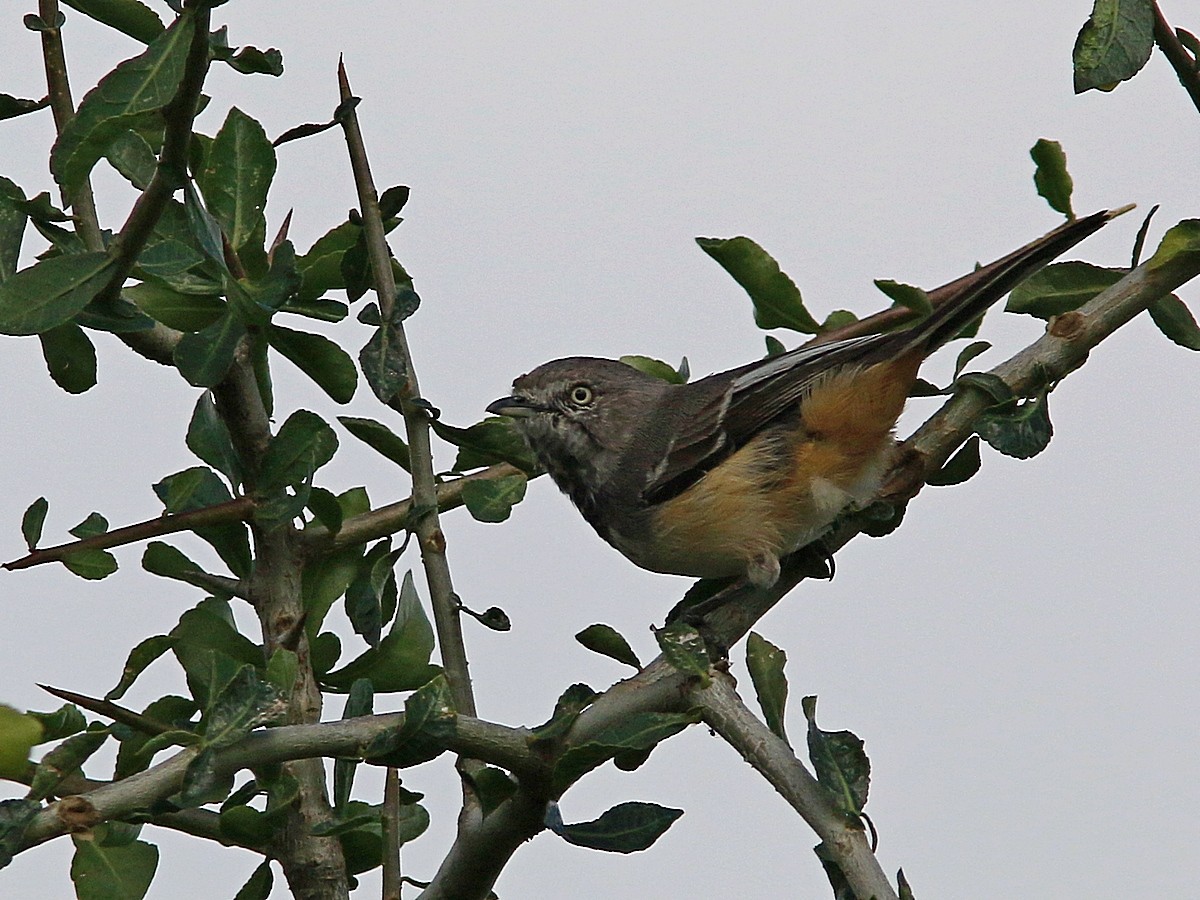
726	714
1177	55
238	510
425	500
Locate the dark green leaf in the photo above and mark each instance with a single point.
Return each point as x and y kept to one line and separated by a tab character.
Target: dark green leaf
244	703
401	661
625	828
11	107
185	312
655	367
168	562
777	301
113	314
774	346
429	722
140	657
15	816
203	357
305	442
133	157
392	201
136	749
360	702
906	295
493	787
321	266
839	318
492	499
573	701
125	98
992	386
379	437
13	216
93	525
765	662
245	825
174	255
210	649
128	16
91	564
319	358
1113	44
258	887
1181	240
237	174
51	291
18	734
323	310
840	762
1022	433
1060	288
494	440
208	438
252	61
1175	321
905	889
325	579
202	782
960	467
384	364
607	641
324	506
636	732
112	873
199	488
881	519
66	759
363	607
684	649
968	353
62	723
1051	177
33	520
335	827
326	648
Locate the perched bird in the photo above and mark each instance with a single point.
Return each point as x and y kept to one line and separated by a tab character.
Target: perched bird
725	475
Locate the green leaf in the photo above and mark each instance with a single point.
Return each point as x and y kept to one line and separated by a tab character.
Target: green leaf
305	442
323	310
684	649
906	295
325	579
128	16
91	564
210	650
777	301
1113	44
62	723
245	825
33	520
359	702
625	828
363	607
11	107
146	652
258	887
51	291
252	61
168	562
66	759
1060	288
199	488
244	703
95	524
208	438
493	787
401	661
992	386
574	700
765	662
15	816
968	353
321	266
235	180
325	508
103	872
492	499
840	762
319	358
775	346
607	641
133	158
1022	432
379	437
137	750
429	721
656	367
383	361
1175	321
18	734
203	357
184	312
1051	177
960	467
13	216
174	255
125	98
636	732
839	318
1181	240
494	440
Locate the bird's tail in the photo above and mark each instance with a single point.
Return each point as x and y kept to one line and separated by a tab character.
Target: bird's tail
962	301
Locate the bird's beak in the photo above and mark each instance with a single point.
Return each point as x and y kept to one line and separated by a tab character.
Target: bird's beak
514	407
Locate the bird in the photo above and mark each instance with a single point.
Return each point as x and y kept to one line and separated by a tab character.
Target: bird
725	476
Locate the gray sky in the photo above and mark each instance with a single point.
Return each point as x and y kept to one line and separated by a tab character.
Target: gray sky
1020	657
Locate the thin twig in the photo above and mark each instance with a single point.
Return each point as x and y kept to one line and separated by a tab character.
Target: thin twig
726	714
393	877
424	493
1177	55
238	510
58	88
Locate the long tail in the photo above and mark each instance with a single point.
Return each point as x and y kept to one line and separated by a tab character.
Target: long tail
963	300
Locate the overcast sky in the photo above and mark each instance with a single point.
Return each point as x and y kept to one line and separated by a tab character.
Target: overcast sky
1020	657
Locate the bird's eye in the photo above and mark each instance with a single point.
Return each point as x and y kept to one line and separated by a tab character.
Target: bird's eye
581	395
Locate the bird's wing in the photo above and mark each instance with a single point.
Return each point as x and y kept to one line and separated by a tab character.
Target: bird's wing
753	397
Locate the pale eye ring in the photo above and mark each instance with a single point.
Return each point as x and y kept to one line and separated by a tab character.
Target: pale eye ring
582	395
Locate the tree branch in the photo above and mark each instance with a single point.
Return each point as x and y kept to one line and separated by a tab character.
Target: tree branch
238	510
726	714
424	496
1177	55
